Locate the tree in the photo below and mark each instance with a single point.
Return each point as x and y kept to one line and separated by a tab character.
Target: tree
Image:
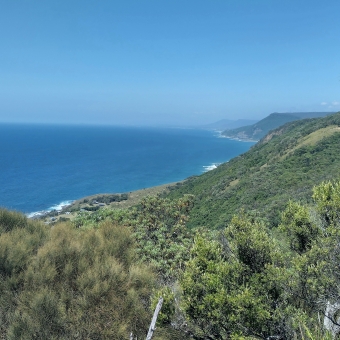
327	199
235	288
162	238
297	224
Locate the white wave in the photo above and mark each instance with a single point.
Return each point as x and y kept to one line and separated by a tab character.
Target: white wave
36	213
211	167
60	206
57	207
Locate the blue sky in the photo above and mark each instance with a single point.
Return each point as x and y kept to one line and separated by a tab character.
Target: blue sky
173	62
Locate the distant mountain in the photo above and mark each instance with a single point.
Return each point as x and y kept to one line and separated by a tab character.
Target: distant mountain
286	164
261	128
225	124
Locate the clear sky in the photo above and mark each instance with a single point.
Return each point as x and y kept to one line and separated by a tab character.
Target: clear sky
172	62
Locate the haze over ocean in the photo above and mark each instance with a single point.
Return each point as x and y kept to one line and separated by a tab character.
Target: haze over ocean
42	166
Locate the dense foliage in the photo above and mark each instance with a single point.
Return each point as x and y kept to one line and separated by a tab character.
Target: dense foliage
247	283
93	281
262	262
67	283
159	228
284	165
261	128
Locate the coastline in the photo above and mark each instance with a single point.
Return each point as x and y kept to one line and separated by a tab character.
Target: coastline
238	139
57	207
52	183
69	209
92	203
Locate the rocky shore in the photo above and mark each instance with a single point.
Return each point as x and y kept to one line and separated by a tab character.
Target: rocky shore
104	201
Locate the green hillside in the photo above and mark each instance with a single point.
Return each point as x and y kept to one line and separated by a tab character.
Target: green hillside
273	121
285	164
101	275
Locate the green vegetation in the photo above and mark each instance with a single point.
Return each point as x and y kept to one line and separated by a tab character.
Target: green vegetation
258	130
91	203
159	228
105	198
67	283
250	250
244	282
285	165
261	128
99	280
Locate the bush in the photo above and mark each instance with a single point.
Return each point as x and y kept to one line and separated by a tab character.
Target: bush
67	283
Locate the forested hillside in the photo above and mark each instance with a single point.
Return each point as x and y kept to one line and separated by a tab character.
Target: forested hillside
100	277
247	251
259	129
285	164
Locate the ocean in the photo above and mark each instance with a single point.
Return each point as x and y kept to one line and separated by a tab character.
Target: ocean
44	167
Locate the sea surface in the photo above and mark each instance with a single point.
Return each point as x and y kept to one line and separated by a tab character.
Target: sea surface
44	167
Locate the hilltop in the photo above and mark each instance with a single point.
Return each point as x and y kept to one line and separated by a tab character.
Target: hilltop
285	164
260	129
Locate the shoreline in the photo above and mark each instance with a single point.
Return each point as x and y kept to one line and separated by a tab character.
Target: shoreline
242	140
236	138
202	152
67	207
95	202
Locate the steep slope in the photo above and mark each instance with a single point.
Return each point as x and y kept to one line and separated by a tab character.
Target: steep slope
273	121
285	164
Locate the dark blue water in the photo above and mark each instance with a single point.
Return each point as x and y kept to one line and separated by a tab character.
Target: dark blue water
42	166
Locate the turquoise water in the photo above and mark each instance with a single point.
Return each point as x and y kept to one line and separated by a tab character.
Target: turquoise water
43	167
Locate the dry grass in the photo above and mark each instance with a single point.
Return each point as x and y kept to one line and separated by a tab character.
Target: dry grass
313	138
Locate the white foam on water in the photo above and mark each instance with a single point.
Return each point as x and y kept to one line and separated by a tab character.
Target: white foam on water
211	167
60	206
36	213
57	207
